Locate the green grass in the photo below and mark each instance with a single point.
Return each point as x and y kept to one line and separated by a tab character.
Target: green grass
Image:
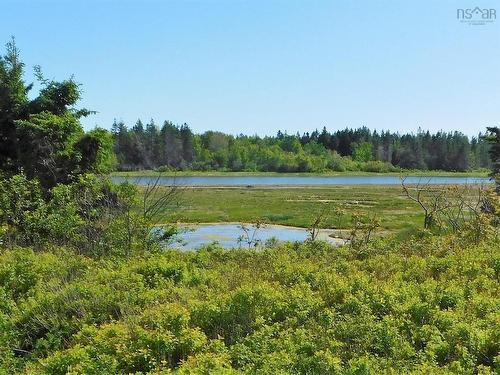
143	173
296	206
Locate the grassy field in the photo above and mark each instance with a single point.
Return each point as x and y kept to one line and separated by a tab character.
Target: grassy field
143	173
297	206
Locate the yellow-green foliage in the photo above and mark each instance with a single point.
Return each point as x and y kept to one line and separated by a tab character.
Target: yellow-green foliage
426	306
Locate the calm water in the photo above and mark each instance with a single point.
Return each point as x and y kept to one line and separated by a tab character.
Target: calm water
227	235
299	180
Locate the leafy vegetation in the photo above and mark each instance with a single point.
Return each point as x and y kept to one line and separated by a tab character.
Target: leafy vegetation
174	147
43	137
494	138
428	305
91	215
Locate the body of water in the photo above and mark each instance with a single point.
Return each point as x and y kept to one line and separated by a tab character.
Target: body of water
227	235
299	180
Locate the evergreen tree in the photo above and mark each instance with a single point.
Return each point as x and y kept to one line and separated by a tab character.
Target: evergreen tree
171	145
43	137
494	139
187	142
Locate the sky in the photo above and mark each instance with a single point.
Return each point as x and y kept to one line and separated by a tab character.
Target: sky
256	67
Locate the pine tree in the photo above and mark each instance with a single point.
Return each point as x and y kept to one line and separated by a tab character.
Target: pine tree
43	137
494	139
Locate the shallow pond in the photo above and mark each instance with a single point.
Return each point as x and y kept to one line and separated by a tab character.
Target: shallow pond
299	180
227	235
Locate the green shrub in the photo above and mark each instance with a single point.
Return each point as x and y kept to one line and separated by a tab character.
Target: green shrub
90	215
378	167
419	306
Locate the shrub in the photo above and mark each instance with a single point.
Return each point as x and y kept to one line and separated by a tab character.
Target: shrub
418	306
378	167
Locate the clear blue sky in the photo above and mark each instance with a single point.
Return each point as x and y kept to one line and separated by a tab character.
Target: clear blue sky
259	66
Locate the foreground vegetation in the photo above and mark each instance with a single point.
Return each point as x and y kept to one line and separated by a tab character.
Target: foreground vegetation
429	305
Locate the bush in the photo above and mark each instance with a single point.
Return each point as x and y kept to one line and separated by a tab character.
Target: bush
426	306
160	339
378	167
90	215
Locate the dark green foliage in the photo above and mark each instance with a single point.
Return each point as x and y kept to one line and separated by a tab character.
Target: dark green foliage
96	154
43	137
46	147
494	138
13	101
177	148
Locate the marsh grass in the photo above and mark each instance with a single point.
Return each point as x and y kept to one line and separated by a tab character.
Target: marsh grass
296	206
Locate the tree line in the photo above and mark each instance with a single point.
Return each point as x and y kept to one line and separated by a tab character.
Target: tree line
177	147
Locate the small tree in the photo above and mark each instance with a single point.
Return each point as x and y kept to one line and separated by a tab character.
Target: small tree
453	208
315	226
249	236
363	151
430	199
319	220
494	139
156	203
363	227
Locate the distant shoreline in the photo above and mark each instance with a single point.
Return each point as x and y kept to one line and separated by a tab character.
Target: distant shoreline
145	173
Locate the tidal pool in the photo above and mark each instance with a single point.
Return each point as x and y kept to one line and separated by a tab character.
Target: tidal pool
227	235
